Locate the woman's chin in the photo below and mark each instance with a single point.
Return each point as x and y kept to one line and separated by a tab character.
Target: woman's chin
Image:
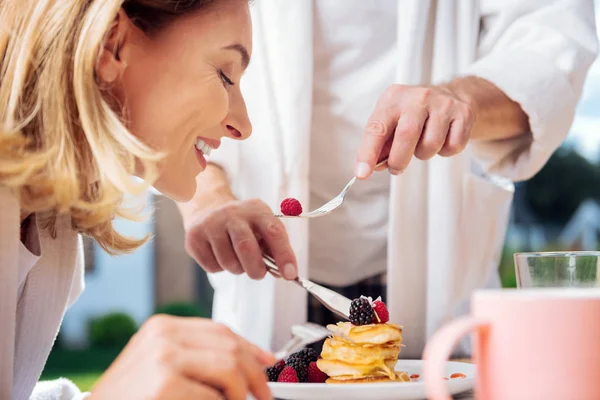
181	193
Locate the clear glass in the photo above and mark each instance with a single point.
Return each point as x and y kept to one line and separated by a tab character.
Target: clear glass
579	269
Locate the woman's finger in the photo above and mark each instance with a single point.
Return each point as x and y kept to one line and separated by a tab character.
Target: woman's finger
184	388
247	249
273	233
222	248
201	332
235	375
200	249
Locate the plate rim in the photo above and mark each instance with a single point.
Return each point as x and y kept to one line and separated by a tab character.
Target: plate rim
469	381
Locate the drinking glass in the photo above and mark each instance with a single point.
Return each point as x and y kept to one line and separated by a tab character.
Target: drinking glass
579	269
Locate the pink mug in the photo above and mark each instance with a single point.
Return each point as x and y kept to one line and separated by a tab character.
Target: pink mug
529	344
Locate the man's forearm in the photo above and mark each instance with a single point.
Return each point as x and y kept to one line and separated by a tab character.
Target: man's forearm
496	115
212	191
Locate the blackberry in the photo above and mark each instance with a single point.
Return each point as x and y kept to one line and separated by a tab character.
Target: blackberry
300	367
306	355
274	371
361	312
300	360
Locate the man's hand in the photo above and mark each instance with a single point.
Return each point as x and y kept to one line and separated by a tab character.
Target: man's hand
414	120
427	120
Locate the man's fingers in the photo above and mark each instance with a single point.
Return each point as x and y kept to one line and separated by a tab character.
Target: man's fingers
385	153
378	130
433	137
376	133
459	134
423	121
406	136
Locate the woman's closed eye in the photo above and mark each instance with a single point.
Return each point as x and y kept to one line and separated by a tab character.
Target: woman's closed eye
225	79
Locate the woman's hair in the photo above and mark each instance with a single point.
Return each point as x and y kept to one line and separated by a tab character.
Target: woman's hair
63	147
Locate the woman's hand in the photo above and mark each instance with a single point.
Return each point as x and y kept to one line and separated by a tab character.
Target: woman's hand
186	358
232	236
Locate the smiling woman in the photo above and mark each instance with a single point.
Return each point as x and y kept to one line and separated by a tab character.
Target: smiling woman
142	86
94	93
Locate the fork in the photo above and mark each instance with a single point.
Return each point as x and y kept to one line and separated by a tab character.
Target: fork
302	336
332	204
306	334
335	302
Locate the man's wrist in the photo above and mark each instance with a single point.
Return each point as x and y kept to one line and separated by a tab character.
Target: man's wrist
496	115
462	89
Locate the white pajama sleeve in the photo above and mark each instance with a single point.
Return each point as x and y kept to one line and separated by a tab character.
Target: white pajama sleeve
538	53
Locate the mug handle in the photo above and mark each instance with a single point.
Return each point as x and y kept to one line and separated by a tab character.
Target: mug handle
438	350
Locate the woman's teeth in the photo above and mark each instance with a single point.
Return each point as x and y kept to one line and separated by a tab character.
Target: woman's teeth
203	147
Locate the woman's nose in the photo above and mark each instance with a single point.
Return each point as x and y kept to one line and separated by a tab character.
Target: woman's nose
238	122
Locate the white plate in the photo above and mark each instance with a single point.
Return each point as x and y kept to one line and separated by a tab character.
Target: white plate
379	391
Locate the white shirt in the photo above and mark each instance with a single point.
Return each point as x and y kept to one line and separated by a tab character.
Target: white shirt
354	62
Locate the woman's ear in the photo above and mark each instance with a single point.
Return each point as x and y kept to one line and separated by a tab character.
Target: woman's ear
111	64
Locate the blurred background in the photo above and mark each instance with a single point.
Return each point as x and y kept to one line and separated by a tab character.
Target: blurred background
559	209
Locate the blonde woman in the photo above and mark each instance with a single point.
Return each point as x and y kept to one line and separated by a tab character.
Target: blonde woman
94	93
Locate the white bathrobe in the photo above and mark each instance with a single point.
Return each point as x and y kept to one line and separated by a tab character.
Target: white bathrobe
30	322
448	216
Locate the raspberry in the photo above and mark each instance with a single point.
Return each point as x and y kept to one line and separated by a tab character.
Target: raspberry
274	371
361	312
291	207
288	375
315	375
381	310
300	360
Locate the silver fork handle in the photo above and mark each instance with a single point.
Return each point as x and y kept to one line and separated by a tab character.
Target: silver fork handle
273	269
293	345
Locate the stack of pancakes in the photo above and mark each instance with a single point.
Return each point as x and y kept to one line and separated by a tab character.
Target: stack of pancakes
362	354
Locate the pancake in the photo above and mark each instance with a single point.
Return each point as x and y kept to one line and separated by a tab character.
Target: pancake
374	334
335	368
339	349
362	354
399	377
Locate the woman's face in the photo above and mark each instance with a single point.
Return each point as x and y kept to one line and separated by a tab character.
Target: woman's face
180	88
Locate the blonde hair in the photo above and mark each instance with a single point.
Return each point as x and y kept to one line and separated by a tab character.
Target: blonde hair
63	148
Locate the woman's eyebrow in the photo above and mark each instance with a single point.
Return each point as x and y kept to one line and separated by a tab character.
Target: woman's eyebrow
243	53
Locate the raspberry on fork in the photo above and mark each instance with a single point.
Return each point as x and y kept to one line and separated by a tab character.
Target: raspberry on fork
291	207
